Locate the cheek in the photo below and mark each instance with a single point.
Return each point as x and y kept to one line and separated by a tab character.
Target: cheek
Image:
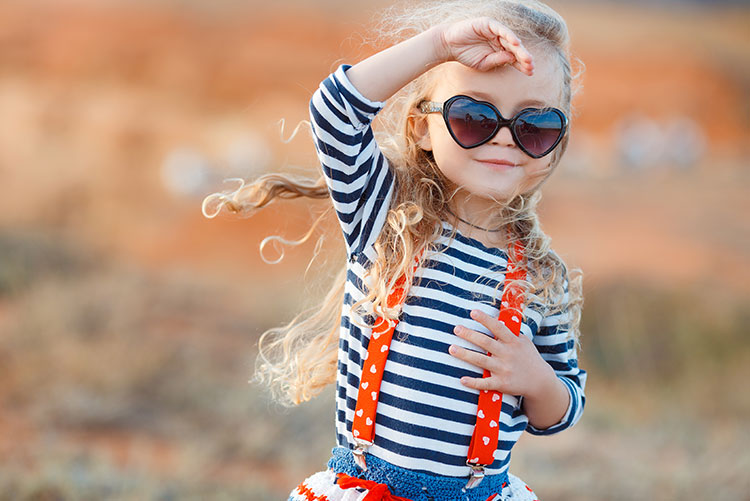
537	165
537	169
449	158
443	145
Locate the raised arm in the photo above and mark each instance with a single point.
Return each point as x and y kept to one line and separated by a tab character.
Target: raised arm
480	43
341	110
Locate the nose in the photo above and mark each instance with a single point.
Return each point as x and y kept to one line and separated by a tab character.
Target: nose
503	137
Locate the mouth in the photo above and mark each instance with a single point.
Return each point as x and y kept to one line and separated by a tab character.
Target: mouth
497	163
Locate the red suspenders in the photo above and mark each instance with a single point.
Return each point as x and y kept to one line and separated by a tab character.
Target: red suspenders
486	431
363	424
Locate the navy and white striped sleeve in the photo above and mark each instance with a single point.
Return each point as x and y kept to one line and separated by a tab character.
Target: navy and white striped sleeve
558	350
357	174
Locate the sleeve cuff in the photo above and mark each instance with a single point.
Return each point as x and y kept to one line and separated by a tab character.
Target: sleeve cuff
571	416
364	109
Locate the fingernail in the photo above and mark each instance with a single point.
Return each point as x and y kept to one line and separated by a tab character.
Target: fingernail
457	329
474	313
452	349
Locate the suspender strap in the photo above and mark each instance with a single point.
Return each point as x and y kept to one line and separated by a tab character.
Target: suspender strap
372	369
363	424
486	431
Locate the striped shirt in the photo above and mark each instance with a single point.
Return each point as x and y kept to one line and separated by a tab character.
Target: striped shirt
425	416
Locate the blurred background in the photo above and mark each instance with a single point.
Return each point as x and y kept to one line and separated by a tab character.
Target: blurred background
129	322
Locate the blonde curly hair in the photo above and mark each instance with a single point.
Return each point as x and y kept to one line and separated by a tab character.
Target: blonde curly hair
299	359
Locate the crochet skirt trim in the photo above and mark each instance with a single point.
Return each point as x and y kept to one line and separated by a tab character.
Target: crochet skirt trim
323	486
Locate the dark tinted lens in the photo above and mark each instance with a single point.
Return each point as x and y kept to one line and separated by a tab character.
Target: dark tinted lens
538	131
471	122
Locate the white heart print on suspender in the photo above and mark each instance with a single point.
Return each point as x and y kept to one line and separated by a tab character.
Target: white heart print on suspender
486	431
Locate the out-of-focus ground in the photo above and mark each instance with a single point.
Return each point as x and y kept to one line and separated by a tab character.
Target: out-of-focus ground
129	322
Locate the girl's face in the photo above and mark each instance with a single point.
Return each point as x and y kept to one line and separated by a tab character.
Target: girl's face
478	172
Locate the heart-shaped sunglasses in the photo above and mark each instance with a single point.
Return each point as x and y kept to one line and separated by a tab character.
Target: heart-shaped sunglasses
472	123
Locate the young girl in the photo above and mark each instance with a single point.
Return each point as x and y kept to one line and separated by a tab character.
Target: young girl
453	326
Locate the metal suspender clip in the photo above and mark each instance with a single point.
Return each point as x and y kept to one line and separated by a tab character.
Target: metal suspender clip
359	453
477	475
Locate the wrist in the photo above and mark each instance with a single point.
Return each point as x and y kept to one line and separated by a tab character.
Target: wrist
545	386
546	405
440	46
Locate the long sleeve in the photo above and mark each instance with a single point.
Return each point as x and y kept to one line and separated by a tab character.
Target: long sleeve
559	351
357	174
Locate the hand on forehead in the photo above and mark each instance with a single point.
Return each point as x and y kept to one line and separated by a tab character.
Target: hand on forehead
506	87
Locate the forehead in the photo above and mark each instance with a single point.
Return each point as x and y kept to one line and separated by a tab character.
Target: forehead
505	87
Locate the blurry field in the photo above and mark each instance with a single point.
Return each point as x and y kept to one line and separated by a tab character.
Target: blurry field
129	323
122	384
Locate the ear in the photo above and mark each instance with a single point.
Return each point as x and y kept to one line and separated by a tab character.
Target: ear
421	131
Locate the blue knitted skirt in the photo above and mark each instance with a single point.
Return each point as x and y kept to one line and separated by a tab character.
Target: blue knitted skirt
343	481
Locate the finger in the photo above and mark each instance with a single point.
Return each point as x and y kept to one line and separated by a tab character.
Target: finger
487	343
522	59
526	70
470	356
478	383
498	59
498	328
504	32
510	42
523	56
525	66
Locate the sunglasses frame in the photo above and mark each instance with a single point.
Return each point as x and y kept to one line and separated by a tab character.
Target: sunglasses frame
444	108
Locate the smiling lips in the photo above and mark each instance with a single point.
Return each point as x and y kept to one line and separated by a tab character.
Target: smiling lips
497	162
